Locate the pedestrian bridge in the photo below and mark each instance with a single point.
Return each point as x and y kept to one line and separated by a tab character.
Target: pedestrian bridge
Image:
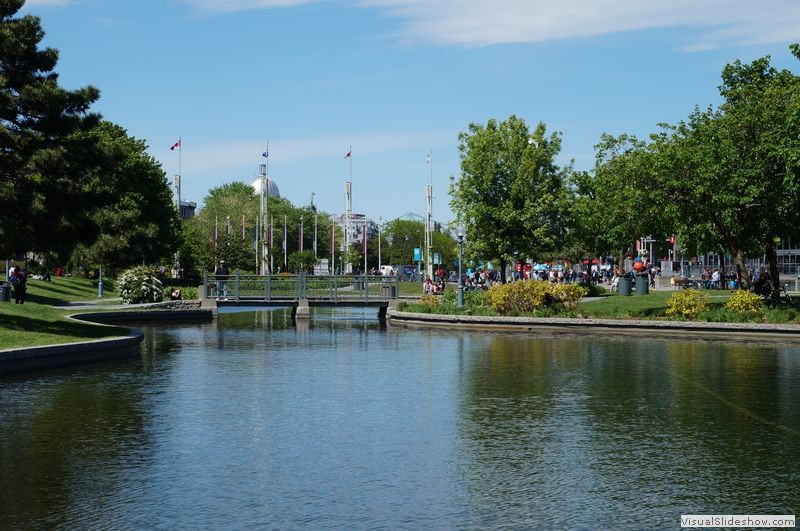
301	292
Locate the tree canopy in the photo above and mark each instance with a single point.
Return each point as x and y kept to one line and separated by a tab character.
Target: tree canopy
135	215
511	194
44	203
236	205
725	179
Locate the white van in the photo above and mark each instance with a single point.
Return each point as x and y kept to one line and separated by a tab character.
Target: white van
387	270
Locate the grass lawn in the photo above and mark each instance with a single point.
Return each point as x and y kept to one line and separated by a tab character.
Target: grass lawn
653	305
37	323
613	306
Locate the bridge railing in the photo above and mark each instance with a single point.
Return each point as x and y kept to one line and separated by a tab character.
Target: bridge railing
334	288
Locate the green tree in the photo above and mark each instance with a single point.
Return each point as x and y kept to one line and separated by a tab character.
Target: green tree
135	214
233	202
615	205
215	233
511	195
302	261
400	237
46	194
728	178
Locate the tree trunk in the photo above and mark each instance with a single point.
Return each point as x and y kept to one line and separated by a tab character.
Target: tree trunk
741	269
772	258
503	270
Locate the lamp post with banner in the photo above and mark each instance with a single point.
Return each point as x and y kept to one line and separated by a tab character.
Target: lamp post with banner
460	233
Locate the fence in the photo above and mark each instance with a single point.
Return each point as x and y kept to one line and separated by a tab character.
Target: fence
243	287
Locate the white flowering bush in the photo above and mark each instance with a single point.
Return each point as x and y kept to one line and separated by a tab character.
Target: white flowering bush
139	284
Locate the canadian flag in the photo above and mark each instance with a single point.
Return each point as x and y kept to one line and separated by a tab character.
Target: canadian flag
175	145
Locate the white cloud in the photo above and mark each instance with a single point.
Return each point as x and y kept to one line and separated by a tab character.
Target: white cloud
481	23
229	6
225	158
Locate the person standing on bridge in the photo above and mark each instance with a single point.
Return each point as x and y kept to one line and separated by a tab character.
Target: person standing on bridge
222	274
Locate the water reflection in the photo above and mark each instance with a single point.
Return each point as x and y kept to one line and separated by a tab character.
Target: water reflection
607	432
253	421
54	430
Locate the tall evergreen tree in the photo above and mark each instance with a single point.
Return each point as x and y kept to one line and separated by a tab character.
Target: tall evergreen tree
43	205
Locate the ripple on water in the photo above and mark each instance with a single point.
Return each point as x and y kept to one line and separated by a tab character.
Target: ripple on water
250	422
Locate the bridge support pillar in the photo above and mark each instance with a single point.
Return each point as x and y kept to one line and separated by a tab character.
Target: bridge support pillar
302	310
382	309
207	303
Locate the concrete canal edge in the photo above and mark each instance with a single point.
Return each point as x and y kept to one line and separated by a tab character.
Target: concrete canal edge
670	329
29	359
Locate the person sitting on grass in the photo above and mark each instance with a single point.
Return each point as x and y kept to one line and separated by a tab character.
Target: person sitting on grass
427	286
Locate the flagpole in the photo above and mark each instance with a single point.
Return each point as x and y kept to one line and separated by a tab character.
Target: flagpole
429	220
256	234
264	210
348	198
365	246
285	258
177	258
271	235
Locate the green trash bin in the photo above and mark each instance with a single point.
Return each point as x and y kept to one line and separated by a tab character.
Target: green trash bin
5	292
642	285
624	286
389	290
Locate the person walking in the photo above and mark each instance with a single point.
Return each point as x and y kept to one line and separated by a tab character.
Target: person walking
19	280
222	274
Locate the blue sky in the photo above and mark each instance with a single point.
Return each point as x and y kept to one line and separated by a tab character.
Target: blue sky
394	78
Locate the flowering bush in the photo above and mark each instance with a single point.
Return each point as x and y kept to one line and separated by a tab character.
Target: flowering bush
570	294
431	301
139	284
687	303
532	295
745	302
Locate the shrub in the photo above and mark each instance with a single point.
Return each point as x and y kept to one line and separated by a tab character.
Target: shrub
688	303
139	284
188	293
570	294
448	297
743	301
429	301
530	296
721	315
595	290
476	297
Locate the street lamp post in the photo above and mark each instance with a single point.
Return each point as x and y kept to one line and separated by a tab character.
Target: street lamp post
380	220
100	283
460	235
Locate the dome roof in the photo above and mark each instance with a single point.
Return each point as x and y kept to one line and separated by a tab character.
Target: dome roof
273	187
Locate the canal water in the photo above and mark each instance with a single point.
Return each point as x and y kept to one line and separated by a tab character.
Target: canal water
250	422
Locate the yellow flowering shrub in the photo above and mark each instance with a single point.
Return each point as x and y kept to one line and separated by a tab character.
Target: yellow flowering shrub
431	301
569	294
687	303
745	302
532	295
